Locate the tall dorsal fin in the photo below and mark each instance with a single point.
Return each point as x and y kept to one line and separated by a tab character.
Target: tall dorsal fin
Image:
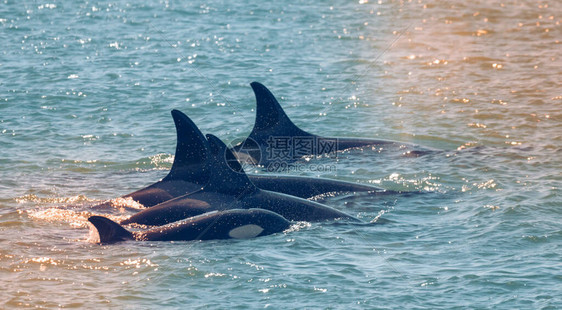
192	152
227	177
270	117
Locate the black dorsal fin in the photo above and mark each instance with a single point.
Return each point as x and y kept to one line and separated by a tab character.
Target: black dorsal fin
270	117
108	230
226	177
192	152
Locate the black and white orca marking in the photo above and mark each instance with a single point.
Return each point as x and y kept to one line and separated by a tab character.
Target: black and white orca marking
190	172
229	188
228	224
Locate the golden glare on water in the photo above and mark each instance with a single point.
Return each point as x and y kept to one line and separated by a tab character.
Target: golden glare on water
53	200
85	118
128	202
73	218
468	62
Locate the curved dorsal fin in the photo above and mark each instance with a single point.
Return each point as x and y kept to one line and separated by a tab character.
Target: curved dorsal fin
192	152
227	177
108	230
270	117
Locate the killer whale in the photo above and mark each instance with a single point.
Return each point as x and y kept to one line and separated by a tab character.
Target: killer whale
272	126
230	188
189	170
303	187
228	224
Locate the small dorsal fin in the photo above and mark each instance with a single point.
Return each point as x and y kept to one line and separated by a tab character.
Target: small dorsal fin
226	177
192	152
108	230
270	117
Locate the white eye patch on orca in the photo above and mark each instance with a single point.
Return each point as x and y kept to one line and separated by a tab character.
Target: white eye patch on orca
245	232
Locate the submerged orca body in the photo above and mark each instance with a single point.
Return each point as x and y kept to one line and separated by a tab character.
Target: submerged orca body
230	188
189	171
229	224
307	187
275	138
303	187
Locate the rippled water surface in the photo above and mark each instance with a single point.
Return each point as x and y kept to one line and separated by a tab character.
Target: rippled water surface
86	89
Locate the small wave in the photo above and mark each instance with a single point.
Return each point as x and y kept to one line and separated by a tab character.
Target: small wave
162	160
376	219
93	234
126	203
138	263
155	162
298	226
53	200
76	219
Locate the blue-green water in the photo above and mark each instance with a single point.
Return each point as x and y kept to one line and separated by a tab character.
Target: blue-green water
86	90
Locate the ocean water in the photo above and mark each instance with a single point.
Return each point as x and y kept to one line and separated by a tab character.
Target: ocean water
86	89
